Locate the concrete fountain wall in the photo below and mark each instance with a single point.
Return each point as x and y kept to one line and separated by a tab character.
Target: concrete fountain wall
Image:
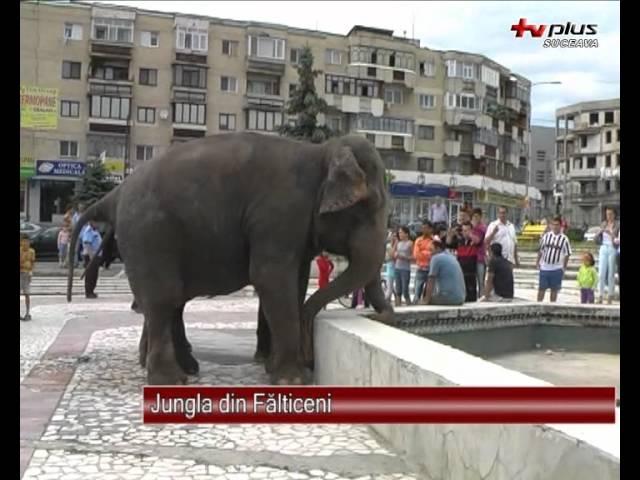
358	351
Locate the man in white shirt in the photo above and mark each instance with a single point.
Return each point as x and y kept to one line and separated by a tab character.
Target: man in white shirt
553	258
503	232
439	212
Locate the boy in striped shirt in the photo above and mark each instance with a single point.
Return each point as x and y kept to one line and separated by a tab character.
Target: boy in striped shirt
553	258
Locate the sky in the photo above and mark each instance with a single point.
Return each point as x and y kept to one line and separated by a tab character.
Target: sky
479	27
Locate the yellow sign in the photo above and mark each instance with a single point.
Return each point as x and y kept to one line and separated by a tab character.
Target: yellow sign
115	167
500	199
38	107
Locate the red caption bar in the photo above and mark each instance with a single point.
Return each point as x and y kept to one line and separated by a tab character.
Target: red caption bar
523	405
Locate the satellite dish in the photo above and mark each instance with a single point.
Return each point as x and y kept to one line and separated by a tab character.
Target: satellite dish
164	114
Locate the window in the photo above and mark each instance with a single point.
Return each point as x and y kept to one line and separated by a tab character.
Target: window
266	47
335	124
333	57
577	163
189	113
188	76
114	147
540	176
425	164
195	39
608	117
146	115
385	124
263	86
427	102
294	55
464	100
116	108
591	162
426	132
397	142
71	70
607	137
607	161
398	75
109	71
593	119
68	148
292	89
583	142
228	84
69	108
144	152
427	69
541	155
371	71
451	68
149	39
393	95
227	121
148	76
371	137
230	48
265	121
72	31
490	77
467	71
113	30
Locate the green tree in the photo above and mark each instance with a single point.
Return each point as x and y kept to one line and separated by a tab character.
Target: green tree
94	185
306	104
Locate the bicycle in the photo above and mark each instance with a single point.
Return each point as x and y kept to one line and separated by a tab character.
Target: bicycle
346	300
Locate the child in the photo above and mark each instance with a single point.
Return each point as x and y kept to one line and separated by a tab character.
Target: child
63	244
587	278
27	262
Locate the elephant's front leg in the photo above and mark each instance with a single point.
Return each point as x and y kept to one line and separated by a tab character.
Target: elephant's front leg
162	365
374	292
277	286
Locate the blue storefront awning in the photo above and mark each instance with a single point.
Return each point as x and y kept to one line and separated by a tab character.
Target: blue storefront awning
405	189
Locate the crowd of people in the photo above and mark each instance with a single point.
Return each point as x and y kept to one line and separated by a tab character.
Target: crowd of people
470	261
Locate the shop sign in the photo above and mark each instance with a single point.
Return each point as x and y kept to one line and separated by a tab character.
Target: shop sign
27	168
115	169
38	107
500	199
60	168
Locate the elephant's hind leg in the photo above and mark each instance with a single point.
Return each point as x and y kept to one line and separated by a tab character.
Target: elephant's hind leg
263	348
162	364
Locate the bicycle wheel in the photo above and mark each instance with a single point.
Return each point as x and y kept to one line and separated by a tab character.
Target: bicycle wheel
345	300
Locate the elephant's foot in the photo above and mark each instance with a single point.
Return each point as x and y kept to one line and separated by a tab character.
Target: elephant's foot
260	356
387	317
162	369
187	361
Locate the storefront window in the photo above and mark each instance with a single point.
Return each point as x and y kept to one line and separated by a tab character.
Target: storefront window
55	198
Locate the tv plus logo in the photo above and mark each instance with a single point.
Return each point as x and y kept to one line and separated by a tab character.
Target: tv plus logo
559	30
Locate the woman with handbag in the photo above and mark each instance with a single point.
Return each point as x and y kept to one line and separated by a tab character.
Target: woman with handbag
608	240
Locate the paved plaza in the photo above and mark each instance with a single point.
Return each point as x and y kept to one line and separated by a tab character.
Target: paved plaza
80	404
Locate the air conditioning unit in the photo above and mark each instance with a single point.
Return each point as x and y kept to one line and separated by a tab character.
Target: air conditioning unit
164	114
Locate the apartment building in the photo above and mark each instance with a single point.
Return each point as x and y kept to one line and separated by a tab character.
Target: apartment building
122	84
588	160
543	159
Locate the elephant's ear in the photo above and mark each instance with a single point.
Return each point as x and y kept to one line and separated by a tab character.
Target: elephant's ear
346	182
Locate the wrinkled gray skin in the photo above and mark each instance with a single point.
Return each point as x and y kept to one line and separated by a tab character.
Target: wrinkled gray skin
219	213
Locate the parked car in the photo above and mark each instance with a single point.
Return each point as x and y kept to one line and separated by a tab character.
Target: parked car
45	242
590	234
29	228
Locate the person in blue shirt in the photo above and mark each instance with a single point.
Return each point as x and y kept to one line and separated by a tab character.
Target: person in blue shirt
91	240
445	285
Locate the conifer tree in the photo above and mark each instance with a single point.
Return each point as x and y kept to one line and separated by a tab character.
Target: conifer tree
306	104
94	185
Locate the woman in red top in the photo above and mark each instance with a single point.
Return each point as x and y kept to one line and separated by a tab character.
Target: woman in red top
325	267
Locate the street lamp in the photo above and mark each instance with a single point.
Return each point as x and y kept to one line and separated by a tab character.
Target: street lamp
533	84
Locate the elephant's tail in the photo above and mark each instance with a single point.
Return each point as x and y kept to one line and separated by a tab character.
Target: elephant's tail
104	210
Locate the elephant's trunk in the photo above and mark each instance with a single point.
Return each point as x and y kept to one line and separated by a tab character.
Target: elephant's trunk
357	275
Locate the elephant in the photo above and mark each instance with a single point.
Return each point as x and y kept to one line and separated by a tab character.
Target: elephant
215	214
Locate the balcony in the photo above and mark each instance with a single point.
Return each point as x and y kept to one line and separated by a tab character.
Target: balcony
584	199
458	165
263	101
353	104
191	57
579	173
107	49
452	148
382	73
459	116
266	65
